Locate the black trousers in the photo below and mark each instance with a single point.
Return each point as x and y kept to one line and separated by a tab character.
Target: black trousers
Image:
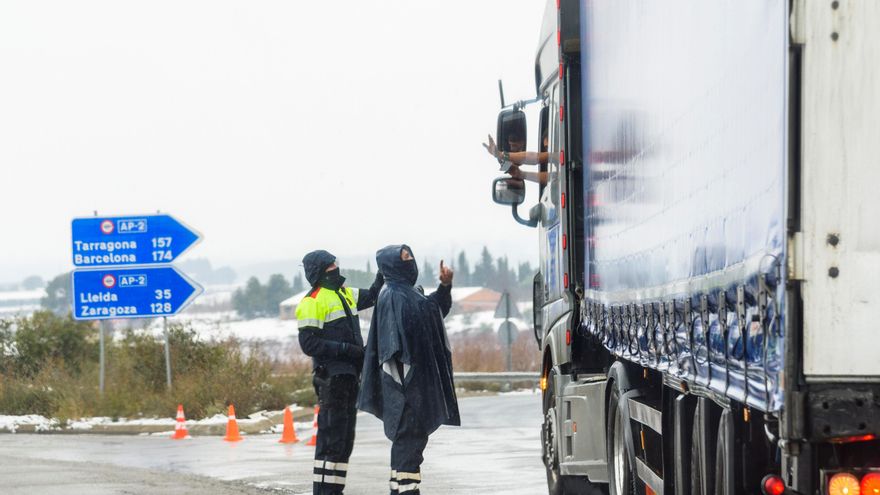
337	396
406	455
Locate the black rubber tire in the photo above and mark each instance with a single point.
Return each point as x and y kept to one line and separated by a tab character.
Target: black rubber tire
555	482
702	473
721	452
613	416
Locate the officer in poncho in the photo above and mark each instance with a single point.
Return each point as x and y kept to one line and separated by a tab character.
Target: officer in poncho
407	376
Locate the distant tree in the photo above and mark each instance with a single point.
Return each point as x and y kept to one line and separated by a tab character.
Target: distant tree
250	302
277	290
298	284
463	270
357	278
57	299
428	278
484	272
526	274
505	278
33	282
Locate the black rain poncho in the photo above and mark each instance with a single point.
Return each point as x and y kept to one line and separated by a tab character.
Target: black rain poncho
407	337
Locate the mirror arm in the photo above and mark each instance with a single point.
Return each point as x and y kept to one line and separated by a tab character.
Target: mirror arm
522	221
519	105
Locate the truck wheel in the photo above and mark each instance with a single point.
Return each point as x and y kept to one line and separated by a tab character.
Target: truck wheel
549	434
702	459
722	480
620	474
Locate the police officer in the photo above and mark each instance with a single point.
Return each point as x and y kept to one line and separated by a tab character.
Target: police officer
329	332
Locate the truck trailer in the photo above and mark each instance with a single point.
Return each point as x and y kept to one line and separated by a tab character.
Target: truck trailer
708	296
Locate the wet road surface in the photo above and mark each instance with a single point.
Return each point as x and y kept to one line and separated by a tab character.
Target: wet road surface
497	450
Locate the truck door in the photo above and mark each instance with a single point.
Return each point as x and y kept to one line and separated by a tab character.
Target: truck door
549	228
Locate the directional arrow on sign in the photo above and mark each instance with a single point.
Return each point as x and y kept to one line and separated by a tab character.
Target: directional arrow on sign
130	240
143	292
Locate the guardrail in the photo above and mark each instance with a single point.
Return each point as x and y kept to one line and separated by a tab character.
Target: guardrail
502	376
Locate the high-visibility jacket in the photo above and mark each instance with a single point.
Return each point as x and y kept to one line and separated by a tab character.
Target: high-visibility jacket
327	320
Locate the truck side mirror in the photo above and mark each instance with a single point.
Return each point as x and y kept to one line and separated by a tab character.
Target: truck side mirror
508	191
512	129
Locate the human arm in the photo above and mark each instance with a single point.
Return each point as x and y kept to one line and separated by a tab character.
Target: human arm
367	297
539	177
443	295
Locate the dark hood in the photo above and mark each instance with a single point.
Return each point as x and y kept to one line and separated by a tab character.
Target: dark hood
390	264
315	263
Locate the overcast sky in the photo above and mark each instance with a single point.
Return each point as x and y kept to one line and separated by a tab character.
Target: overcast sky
273	127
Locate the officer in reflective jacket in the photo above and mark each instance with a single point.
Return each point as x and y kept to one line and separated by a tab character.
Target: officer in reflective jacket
329	332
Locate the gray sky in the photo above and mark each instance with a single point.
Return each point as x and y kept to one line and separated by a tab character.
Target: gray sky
272	127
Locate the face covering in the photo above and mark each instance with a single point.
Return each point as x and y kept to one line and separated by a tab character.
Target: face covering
410	271
332	280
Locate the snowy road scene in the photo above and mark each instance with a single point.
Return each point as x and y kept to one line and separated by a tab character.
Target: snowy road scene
496	450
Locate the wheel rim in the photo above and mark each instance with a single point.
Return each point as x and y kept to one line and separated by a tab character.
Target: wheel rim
620	460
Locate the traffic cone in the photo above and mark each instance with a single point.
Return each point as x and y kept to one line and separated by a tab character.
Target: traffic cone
180	427
289	433
232	434
314	440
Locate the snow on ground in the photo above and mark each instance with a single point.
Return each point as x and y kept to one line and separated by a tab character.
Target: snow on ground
41	423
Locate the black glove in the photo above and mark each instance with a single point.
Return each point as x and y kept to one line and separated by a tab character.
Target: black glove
380	280
353	351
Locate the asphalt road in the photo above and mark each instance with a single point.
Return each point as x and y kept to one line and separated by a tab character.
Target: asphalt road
497	450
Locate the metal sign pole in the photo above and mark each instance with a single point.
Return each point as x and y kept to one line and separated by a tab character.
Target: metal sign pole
509	338
167	352
101	344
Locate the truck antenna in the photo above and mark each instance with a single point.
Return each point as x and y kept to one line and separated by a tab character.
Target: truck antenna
501	92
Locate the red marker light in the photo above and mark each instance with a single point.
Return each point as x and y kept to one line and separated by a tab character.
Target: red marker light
773	485
561	70
565	280
564	241
561	113
567	336
558	37
871	484
562	199
562	157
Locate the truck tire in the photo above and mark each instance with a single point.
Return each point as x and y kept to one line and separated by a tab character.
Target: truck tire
621	479
549	435
723	479
702	451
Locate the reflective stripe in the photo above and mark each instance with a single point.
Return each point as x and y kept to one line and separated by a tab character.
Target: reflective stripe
408	488
334	480
393	485
333	466
308	322
335	315
409	476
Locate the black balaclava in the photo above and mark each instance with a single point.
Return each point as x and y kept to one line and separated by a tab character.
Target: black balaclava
409	268
332	279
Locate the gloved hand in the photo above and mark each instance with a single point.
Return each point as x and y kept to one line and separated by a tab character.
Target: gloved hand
353	351
379	281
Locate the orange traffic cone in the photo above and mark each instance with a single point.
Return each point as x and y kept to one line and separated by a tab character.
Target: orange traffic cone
232	434
180	428
289	433
314	440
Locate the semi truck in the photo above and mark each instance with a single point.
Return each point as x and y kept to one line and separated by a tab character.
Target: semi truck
707	305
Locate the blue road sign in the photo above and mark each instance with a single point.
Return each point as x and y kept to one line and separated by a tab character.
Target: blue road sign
142	292
130	240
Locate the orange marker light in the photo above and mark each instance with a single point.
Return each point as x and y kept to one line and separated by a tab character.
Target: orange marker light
567	336
843	484
871	484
